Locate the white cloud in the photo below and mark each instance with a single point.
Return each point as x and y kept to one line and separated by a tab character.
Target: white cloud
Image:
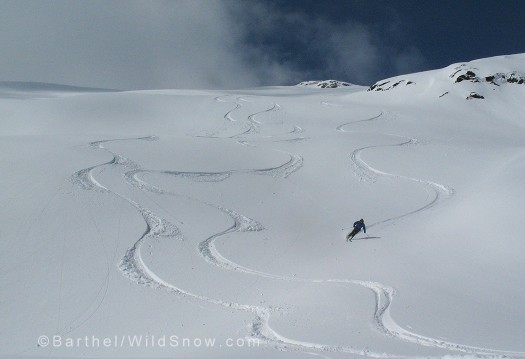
180	44
121	44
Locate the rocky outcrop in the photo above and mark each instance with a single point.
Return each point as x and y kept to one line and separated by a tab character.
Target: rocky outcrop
459	76
332	84
385	86
475	95
463	73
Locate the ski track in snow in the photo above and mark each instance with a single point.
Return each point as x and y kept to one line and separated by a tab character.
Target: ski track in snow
369	174
133	266
341	127
252	125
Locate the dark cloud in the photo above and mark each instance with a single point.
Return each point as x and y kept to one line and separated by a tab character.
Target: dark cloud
321	45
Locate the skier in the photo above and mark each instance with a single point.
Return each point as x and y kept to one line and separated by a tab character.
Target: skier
358	225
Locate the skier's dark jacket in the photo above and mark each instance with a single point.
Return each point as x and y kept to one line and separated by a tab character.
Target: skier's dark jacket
359	225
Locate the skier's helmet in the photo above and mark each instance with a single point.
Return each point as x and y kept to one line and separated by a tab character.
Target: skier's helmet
361	220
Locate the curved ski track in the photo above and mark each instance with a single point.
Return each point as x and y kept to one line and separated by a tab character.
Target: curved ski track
368	173
133	266
340	128
251	125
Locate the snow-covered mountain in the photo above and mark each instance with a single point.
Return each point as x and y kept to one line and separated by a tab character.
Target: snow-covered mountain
212	224
325	84
472	80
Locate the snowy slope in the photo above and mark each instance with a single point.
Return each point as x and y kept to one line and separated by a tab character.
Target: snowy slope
12	89
487	77
183	215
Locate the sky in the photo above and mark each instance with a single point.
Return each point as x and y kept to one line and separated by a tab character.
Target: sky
228	44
